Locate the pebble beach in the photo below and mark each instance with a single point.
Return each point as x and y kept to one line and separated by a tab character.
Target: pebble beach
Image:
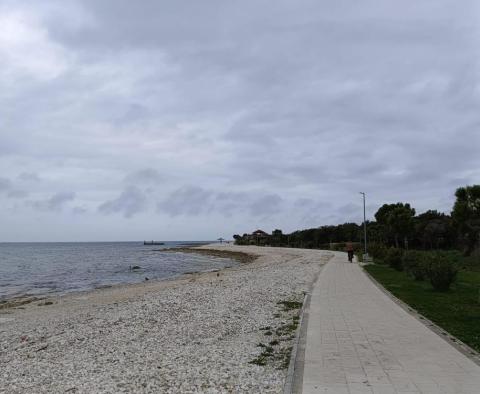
228	331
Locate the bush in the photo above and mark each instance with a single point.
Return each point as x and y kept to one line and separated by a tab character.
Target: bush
441	270
394	258
414	264
377	250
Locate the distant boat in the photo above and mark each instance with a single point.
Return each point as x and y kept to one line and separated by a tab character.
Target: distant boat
153	243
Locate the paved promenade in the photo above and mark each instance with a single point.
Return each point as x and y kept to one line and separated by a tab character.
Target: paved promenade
360	341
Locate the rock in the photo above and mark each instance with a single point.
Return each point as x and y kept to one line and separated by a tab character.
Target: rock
45	303
42	348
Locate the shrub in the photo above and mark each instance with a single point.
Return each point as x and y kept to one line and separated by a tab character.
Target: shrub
441	270
338	246
377	250
414	264
394	258
359	256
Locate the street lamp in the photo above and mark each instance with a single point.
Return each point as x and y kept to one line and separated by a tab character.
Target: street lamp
364	227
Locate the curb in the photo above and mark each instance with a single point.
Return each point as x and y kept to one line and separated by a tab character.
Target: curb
289	381
442	333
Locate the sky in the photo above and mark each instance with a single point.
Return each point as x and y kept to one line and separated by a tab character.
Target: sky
189	120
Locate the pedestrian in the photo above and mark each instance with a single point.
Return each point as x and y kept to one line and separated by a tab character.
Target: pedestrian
349	248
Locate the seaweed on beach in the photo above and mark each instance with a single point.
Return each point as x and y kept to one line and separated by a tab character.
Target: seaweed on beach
290	305
278	351
18	302
241	257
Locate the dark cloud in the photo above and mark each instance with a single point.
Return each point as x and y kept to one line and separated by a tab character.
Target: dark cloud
8	189
29	176
5	184
188	200
313	213
145	176
130	202
266	205
133	113
17	194
350	211
79	210
55	203
195	200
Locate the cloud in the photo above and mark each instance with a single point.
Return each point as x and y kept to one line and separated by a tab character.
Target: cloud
79	210
313	213
145	176
195	200
55	203
5	184
187	200
256	108
8	189
26	49
17	194
29	177
266	205
130	202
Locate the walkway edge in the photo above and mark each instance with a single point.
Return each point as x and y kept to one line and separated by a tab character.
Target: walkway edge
462	347
289	381
294	380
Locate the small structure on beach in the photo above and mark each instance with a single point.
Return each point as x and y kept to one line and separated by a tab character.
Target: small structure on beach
260	233
258	237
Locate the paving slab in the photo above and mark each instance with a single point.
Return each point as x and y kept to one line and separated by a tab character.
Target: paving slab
358	340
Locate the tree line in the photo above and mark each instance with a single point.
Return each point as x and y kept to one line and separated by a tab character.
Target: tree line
396	225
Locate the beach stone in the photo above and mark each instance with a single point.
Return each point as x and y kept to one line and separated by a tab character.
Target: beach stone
174	336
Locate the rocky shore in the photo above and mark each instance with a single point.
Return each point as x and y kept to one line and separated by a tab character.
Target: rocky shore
219	332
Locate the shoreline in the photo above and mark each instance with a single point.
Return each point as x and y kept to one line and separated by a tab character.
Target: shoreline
240	257
226	331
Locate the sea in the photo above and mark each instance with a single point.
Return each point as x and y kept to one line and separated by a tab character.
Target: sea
55	268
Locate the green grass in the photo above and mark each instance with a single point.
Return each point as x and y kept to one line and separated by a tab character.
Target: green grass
457	310
470	263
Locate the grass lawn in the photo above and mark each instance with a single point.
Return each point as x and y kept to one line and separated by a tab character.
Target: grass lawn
457	311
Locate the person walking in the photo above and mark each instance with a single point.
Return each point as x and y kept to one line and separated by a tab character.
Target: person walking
349	248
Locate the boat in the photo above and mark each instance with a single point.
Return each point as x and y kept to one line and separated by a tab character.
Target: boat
153	243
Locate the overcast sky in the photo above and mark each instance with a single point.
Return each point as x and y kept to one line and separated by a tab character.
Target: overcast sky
123	120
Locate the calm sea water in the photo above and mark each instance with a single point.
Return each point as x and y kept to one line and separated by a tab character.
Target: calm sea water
58	268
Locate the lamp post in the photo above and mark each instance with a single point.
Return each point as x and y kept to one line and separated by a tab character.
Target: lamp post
364	225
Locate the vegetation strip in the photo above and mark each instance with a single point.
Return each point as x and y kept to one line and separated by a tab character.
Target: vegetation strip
242	257
457	311
19	301
289	381
278	351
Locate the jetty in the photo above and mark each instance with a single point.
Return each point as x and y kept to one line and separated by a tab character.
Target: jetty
153	243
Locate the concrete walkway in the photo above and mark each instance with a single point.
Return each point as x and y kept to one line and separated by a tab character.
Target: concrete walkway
359	341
